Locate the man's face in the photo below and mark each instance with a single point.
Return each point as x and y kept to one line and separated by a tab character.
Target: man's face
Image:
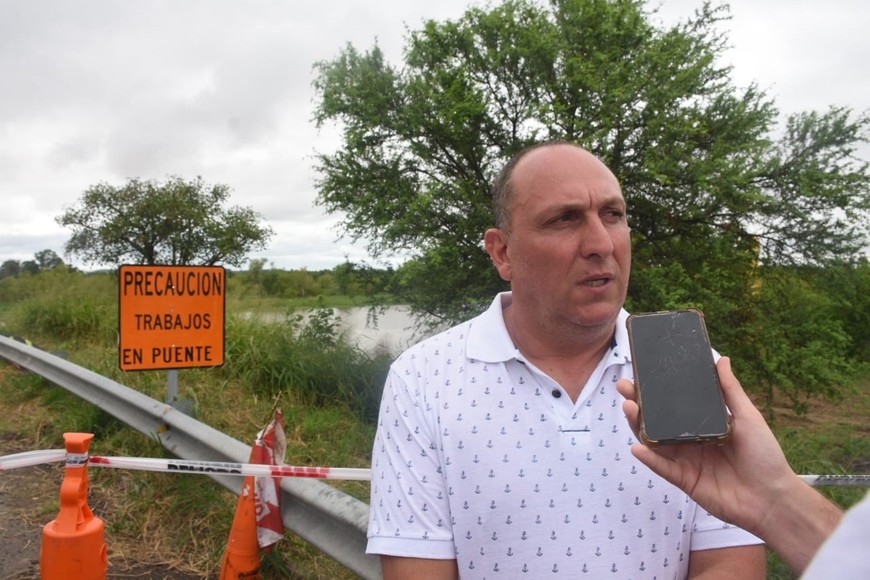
568	252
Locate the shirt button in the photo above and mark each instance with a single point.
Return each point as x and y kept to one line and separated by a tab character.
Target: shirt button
557	393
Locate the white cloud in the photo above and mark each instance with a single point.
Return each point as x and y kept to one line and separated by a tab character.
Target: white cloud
101	91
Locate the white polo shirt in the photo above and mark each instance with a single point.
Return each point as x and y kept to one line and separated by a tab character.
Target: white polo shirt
482	457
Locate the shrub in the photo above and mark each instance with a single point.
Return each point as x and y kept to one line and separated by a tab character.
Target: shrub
306	358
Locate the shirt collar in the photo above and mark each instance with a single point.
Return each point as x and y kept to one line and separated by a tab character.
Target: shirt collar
489	341
488	338
619	349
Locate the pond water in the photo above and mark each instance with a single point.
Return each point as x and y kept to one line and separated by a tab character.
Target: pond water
392	330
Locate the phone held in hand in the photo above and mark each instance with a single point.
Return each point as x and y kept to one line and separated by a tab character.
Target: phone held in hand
678	388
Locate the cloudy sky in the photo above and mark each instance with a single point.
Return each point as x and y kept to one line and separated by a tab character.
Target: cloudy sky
102	91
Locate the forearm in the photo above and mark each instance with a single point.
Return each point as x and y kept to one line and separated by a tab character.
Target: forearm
736	563
797	524
396	568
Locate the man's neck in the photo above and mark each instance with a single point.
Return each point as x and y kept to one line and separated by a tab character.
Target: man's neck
569	357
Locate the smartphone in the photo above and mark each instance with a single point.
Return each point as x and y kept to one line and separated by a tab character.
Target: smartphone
678	389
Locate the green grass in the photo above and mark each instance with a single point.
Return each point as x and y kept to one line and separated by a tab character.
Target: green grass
328	392
829	438
186	519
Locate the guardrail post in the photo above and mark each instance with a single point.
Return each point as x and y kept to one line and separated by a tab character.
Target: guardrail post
73	545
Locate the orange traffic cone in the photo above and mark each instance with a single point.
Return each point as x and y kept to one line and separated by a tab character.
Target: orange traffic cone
242	557
73	546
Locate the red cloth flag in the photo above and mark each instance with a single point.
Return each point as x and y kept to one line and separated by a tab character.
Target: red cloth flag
269	449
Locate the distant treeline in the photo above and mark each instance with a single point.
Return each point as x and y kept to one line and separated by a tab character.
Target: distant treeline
347	279
42	261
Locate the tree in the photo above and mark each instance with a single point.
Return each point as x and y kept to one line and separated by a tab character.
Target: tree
43	261
255	272
802	355
301	284
30	267
712	193
47	260
421	144
848	286
347	278
174	222
10	269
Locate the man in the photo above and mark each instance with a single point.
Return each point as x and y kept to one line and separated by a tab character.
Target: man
502	449
747	481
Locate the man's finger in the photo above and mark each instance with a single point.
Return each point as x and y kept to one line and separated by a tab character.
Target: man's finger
632	413
663	466
732	391
626	388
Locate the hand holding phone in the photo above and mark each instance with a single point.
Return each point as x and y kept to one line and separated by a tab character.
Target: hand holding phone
679	395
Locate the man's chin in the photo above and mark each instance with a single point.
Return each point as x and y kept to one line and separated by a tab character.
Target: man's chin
598	315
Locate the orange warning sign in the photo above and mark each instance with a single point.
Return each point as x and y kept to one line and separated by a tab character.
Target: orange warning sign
171	317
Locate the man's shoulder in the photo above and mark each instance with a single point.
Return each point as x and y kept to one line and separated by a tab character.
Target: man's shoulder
453	340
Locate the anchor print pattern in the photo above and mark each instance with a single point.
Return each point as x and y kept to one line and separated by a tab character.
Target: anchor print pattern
483	462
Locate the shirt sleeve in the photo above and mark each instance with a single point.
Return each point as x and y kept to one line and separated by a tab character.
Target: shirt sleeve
844	554
410	511
709	533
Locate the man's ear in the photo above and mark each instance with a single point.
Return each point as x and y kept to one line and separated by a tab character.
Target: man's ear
496	243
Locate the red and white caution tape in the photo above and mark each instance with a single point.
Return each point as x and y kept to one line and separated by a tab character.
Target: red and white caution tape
838	480
29	458
254	469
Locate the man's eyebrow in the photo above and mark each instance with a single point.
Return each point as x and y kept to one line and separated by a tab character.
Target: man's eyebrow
615	201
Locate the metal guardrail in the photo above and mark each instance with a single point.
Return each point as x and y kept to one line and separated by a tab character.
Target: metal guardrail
330	520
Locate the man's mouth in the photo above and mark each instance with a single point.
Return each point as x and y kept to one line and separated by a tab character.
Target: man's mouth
596	282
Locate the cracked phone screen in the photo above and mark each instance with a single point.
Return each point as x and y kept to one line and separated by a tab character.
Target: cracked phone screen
680	397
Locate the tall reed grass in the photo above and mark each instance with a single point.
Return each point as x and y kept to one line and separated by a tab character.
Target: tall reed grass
309	360
62	304
305	357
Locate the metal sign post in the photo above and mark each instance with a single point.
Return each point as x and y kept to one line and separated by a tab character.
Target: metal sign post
186	406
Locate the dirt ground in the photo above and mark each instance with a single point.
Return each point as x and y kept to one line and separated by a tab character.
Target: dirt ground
23	507
30	498
19	550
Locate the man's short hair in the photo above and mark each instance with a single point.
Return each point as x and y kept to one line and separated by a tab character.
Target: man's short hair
503	189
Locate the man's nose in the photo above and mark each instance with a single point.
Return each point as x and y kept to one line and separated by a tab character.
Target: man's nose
596	239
